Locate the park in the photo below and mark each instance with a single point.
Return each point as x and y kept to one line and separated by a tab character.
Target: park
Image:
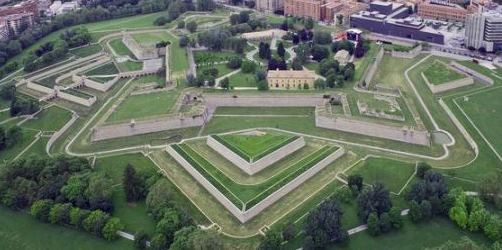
186	103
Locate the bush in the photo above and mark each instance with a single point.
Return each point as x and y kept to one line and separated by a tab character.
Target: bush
184	41
95	222
180	24
60	214
373	224
248	67
262	85
234	63
40	209
110	229
191	26
140	240
422	168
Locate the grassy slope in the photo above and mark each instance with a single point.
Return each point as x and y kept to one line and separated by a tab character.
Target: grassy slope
438	73
393	174
120	48
50	119
253	145
242	80
87	50
21	231
145	105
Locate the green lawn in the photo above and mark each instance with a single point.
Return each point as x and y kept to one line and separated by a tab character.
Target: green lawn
249	195
145	105
105	69
137	21
87	50
438	73
50	119
254	147
213	56
222	69
242	80
264	111
120	48
485	111
151	38
21	231
393	174
38	148
130	66
134	215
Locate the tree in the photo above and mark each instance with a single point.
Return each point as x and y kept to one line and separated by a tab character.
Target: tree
111	228
234	63
426	209
248	67
280	50
477	219
264	50
324	224
319	53
422	168
373	199
309	23
205	240
385	223
159	242
191	26
296	64
99	192
319	84
60	214
415	211
158	198
373	224
355	180
234	19
140	240
184	40
225	83
262	85
272	241
339	19
243	16
77	216
493	228
182	238
40	209
133	184
206	5
322	37
289	232
95	222
396	219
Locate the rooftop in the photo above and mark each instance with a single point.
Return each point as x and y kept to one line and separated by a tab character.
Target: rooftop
291	74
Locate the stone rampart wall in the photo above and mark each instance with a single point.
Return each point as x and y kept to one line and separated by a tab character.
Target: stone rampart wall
482	78
255	167
435	89
103	87
418	137
244	216
39	88
370	73
407	54
79	100
82	69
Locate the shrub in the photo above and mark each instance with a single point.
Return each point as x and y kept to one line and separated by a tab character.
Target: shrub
373	224
248	67
181	24
95	222
422	168
234	63
60	214
40	209
110	229
140	240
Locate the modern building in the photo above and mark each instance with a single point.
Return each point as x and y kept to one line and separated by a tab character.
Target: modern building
16	23
322	10
290	79
392	19
442	10
30	6
270	6
4	32
484	30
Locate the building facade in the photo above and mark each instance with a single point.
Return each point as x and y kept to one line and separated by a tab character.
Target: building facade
290	79
441	10
14	24
393	19
322	10
30	6
270	6
484	30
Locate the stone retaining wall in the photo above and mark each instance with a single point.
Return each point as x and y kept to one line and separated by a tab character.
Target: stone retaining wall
482	78
407	54
103	87
60	132
99	62
79	100
141	52
418	137
255	167
435	89
244	216
39	88
370	72
126	129
460	127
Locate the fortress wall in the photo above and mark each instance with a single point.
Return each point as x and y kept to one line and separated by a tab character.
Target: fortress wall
482	78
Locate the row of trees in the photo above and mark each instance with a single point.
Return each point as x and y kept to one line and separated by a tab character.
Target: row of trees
9	137
95	222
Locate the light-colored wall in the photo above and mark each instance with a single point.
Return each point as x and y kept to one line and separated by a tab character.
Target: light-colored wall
244	216
439	88
255	167
76	99
484	79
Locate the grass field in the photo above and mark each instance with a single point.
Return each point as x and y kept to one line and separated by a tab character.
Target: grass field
392	173
105	69
213	56
21	231
242	80
151	38
249	195
485	111
144	105
133	22
10	153
264	111
50	119
120	48
254	147
87	50
438	73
